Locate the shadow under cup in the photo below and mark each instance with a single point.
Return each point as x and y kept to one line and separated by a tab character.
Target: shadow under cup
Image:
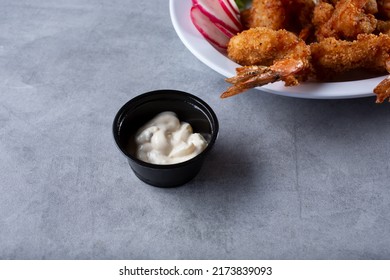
143	108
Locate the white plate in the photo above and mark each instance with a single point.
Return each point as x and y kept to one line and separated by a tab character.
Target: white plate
193	40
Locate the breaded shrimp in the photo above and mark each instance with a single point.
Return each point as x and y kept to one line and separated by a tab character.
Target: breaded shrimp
369	51
370	7
322	13
382	90
293	15
261	46
270	55
347	21
267	13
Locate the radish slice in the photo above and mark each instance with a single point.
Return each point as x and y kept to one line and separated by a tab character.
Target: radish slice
224	30
213	10
234	6
226	6
208	29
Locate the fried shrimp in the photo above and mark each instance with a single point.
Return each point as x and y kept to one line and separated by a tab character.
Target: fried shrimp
382	90
266	13
368	51
322	13
293	15
270	56
347	21
261	46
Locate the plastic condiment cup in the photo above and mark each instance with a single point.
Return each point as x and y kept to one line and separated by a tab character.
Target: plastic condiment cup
144	107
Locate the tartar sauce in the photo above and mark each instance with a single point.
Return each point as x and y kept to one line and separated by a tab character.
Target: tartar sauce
166	140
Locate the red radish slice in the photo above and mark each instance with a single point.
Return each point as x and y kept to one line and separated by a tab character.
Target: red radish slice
224	30
230	12
234	6
208	29
214	11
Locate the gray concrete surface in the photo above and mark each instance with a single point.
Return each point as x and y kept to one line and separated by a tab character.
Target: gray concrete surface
288	178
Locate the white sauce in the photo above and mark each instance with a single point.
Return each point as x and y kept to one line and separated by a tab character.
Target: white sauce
166	140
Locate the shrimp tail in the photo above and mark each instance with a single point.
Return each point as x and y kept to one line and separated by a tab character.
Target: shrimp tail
249	77
382	90
288	70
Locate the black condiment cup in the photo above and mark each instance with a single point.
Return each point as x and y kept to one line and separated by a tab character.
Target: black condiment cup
143	108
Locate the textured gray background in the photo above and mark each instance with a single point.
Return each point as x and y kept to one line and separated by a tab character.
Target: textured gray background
288	178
